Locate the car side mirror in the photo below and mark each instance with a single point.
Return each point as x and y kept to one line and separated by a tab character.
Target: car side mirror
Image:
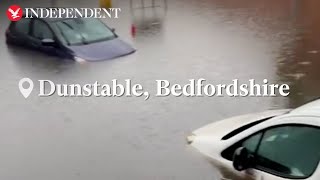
48	42
242	159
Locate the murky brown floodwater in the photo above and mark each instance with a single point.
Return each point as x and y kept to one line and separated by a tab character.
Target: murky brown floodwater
129	138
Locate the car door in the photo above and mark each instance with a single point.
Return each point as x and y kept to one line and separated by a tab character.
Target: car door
280	152
40	30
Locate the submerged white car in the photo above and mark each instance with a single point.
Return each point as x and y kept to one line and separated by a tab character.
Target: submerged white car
272	145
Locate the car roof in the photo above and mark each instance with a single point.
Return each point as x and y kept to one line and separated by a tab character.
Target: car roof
309	109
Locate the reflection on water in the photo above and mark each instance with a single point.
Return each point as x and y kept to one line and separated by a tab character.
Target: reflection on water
299	60
129	138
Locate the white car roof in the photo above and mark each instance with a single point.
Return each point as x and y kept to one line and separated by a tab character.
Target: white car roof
306	114
310	109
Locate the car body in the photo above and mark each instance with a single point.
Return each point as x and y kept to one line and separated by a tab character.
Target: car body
271	145
81	39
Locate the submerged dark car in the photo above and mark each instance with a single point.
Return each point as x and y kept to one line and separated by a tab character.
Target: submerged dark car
81	39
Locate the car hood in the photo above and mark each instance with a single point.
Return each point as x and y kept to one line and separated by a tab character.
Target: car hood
103	50
223	127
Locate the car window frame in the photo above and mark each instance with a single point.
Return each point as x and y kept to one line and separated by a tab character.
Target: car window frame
13	26
274	172
46	23
240	142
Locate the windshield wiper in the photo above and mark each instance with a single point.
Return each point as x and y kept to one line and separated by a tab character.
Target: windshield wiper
83	39
64	36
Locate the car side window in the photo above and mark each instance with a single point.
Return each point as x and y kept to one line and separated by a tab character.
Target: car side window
251	143
22	26
289	151
41	30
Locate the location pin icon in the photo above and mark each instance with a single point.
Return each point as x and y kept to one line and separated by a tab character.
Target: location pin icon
26	91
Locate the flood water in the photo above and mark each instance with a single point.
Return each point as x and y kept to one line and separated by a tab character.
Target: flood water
129	138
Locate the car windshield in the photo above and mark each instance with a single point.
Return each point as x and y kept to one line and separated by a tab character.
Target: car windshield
83	31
